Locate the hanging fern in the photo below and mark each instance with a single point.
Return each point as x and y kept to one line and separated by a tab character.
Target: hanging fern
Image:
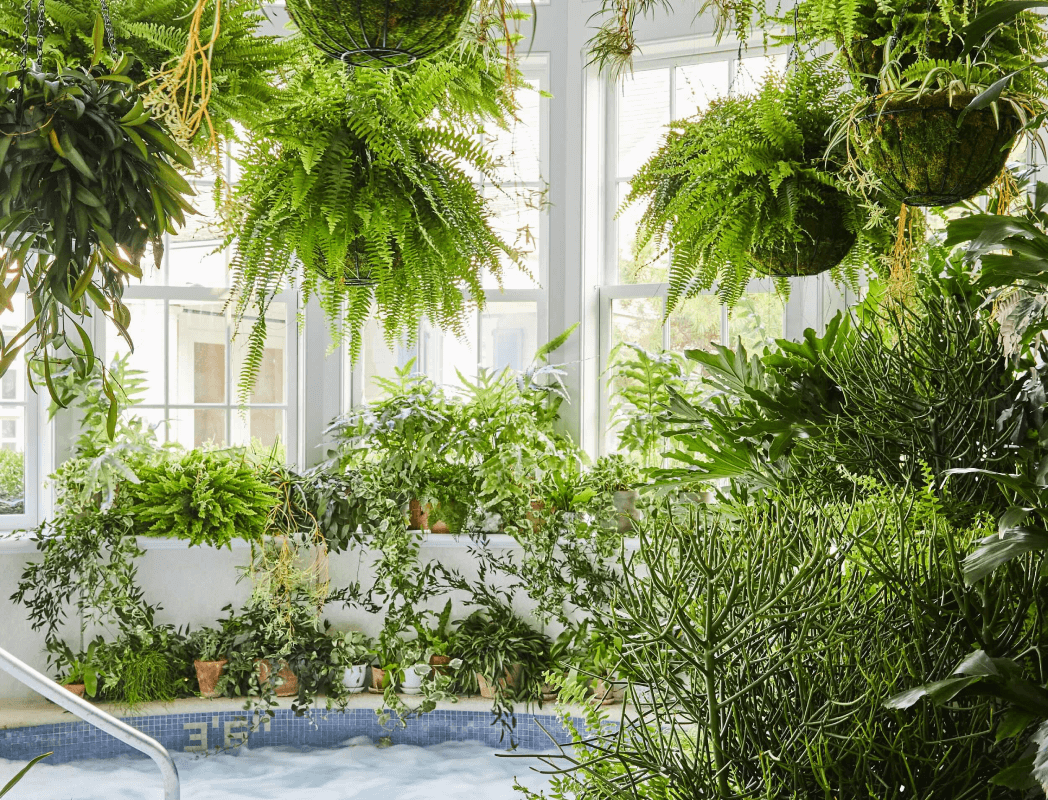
743	189
243	63
361	193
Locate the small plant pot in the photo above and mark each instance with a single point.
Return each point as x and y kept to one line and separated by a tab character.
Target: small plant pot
412	683
440	664
625	502
286	686
208	674
76	688
607	692
440	527
535	516
418	519
378	680
354	678
922	157
549	693
511	681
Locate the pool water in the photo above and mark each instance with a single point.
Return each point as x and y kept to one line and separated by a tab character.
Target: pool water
357	769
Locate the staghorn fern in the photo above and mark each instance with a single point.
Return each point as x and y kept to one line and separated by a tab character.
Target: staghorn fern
361	192
243	63
737	189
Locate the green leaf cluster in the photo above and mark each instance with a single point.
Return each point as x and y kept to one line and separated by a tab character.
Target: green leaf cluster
206	497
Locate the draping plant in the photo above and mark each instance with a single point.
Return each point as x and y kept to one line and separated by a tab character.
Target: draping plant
204	496
88	183
360	186
748	187
241	63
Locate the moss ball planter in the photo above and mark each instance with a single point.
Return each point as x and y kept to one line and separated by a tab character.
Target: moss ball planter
380	33
923	157
828	240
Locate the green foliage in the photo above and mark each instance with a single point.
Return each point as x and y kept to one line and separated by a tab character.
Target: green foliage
243	62
206	496
88	184
746	187
361	185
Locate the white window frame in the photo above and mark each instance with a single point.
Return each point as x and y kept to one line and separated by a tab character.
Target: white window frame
35	446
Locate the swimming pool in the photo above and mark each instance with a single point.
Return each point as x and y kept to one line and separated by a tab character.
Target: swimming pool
354	769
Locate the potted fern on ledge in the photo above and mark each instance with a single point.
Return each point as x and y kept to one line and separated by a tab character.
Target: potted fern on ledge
744	188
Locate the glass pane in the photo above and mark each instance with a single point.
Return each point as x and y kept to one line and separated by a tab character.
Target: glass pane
269	387
516	215
695	324
637	320
12	385
152	273
381	361
197	365
196	427
697	84
260	428
204	226
443	356
508	335
12	459
147	333
757	320
750	72
634	266
519	147
157	420
643	113
196	265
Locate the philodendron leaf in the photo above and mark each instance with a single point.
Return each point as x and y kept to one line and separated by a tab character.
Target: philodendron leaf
996	14
938	692
1000	549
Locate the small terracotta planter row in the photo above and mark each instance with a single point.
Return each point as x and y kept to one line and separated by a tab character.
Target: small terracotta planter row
209	673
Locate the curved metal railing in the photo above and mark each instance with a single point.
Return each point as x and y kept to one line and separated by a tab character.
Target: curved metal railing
43	685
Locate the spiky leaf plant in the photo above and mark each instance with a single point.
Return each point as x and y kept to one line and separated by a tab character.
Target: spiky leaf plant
86	183
242	62
362	191
745	188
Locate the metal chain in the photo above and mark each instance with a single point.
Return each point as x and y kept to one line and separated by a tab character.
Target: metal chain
25	36
41	24
109	28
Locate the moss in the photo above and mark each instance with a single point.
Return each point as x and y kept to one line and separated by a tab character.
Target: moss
824	238
921	156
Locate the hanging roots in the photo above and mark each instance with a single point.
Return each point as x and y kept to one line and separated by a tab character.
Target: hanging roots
181	93
1003	193
901	283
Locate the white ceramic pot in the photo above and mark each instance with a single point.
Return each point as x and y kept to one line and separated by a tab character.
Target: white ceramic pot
353	678
413	677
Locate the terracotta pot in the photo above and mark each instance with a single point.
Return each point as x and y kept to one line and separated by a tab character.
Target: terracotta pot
208	673
289	683
536	518
511	681
76	688
440	664
549	693
606	692
418	520
439	527
378	680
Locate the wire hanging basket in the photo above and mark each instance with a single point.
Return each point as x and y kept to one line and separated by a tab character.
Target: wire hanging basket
380	33
828	241
923	157
355	271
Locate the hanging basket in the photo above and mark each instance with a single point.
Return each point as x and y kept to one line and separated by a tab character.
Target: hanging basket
380	33
827	241
355	271
923	158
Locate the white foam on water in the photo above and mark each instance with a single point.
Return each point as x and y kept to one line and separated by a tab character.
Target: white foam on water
358	769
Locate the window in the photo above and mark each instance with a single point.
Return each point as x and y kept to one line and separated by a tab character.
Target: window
514	321
633	296
18	415
191	355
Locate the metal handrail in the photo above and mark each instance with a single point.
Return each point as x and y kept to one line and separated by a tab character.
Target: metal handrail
41	684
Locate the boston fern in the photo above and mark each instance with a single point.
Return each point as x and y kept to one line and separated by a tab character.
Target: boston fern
362	190
743	188
208	497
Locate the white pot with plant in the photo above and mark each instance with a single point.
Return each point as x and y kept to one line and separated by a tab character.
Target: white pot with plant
354	651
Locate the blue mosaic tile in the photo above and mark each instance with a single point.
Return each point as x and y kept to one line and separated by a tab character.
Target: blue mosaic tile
196	732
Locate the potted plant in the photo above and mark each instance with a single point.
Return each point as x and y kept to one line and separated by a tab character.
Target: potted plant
747	188
615	477
415	667
505	656
600	657
386	666
209	647
439	642
82	674
87	183
353	650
